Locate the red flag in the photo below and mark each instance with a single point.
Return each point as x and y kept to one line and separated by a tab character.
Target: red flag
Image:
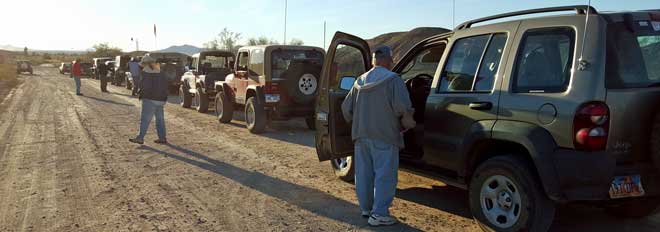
154	29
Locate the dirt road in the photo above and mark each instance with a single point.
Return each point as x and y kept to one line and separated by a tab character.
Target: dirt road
66	165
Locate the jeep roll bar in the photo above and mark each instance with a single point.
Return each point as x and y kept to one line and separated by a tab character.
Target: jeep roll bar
580	9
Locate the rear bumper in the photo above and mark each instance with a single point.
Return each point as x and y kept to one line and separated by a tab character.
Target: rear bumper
587	176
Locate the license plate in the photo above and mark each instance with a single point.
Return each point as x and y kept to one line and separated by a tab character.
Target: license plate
626	186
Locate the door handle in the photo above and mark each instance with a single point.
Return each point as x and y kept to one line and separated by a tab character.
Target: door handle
481	105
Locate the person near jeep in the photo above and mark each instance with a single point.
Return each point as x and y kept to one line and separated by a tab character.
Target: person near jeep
375	105
76	72
134	68
153	94
103	73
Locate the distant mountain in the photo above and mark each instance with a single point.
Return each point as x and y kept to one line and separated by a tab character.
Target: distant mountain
185	49
10	48
401	42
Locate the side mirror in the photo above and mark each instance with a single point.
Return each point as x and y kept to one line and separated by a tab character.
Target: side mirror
346	83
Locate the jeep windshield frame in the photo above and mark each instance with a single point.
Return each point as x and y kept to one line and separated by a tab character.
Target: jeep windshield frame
632	51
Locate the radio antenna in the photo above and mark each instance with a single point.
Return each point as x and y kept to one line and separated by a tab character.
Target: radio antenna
582	63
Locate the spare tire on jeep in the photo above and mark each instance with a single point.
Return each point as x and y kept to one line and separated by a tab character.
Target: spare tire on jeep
169	71
302	80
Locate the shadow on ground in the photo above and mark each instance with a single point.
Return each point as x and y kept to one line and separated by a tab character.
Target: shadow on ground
312	200
444	198
108	101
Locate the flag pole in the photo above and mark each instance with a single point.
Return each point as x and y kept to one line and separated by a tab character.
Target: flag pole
285	9
155	39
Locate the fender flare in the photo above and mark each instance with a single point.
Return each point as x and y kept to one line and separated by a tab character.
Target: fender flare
259	91
541	146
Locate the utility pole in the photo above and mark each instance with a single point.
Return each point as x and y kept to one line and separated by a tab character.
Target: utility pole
285	9
453	14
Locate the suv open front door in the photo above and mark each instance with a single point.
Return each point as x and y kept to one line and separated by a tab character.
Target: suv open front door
348	57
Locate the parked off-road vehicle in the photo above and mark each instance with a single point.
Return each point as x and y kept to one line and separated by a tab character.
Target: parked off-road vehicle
65	68
120	69
87	69
198	83
23	66
95	64
524	114
275	82
172	67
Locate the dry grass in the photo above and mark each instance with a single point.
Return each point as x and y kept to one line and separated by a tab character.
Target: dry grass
7	72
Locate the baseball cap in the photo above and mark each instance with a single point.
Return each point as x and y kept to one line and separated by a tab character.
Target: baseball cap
382	52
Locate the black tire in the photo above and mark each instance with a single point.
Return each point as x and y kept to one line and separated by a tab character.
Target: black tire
655	141
129	85
302	82
344	168
202	101
635	208
186	99
530	206
224	109
255	116
311	123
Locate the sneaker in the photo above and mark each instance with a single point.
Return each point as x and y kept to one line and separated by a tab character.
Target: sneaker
365	214
376	220
160	141
136	141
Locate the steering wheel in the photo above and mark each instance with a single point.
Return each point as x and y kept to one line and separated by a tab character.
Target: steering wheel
426	77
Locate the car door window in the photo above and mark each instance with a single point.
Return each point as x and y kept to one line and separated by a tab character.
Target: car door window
426	62
462	64
490	64
473	64
243	61
348	62
543	62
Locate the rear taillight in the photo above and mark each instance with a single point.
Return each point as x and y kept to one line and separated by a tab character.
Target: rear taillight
591	126
272	87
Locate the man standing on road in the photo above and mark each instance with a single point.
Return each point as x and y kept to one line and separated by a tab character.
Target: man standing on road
103	73
379	106
153	93
76	72
134	68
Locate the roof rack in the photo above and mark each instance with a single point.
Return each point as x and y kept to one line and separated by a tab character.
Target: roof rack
580	9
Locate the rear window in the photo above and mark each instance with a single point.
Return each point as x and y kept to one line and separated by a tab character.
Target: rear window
282	60
633	54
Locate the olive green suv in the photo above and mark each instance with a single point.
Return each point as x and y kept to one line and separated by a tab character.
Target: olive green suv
523	114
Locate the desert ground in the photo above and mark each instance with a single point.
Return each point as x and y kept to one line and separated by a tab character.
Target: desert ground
66	165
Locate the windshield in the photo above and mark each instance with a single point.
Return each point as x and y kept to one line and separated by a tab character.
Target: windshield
633	54
282	60
216	62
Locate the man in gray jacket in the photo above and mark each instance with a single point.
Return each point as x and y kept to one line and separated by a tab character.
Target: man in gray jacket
379	107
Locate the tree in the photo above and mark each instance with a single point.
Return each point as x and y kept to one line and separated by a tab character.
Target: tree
296	42
226	39
25	51
261	41
105	50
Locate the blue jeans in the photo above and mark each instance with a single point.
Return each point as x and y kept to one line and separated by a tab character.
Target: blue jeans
77	80
136	84
376	173
151	108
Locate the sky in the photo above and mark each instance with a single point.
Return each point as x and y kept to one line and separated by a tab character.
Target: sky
79	24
